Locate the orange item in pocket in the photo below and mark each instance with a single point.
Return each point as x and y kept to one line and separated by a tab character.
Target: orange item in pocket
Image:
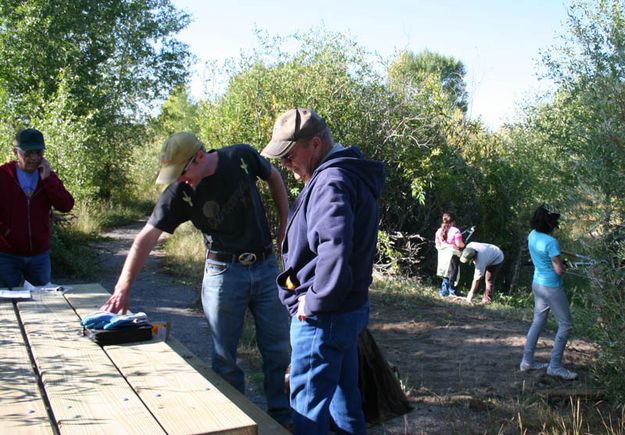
289	283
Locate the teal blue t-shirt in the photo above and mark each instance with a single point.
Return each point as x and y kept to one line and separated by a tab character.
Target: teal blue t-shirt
543	248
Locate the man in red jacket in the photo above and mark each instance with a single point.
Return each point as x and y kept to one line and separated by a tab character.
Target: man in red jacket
28	191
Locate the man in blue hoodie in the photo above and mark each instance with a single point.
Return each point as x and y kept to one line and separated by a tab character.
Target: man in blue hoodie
328	257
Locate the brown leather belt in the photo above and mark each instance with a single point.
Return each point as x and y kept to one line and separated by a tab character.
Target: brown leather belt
245	258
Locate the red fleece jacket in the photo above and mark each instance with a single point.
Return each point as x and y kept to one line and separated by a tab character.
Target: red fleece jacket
26	224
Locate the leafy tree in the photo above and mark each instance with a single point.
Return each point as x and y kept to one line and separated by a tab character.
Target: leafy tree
327	72
119	54
178	113
420	139
590	105
582	129
112	58
411	74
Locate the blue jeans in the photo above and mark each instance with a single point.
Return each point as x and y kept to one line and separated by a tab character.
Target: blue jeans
546	299
15	268
447	288
228	289
324	372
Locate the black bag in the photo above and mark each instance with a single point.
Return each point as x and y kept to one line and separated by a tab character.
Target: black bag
127	334
382	396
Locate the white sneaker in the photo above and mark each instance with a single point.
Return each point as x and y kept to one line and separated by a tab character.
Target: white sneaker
525	366
561	372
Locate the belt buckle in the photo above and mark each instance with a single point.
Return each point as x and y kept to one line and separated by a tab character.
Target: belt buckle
247	258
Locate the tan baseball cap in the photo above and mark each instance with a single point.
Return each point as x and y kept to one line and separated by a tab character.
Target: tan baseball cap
291	126
177	151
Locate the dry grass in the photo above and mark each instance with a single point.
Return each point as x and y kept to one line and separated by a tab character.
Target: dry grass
185	254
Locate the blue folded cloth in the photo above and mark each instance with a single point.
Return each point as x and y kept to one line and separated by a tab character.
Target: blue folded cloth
97	320
126	320
106	320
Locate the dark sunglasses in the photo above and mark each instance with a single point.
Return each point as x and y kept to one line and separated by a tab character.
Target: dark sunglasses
191	161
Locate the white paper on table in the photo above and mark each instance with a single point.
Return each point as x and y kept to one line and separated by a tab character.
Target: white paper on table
49	287
15	294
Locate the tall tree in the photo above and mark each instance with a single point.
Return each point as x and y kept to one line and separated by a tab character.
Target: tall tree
418	139
178	113
108	60
582	128
411	73
119	54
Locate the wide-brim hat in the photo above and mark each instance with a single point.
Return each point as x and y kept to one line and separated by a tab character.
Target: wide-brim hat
176	152
291	126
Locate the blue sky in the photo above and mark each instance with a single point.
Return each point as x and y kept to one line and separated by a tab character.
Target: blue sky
499	41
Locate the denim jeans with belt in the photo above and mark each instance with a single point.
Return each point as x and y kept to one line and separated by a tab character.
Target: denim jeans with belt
228	289
15	268
324	372
546	299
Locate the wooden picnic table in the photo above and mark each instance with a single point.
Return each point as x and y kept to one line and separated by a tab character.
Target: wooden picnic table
55	380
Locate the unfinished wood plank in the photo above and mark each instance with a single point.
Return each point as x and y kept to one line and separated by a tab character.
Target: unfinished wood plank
87	298
22	409
181	399
266	424
86	391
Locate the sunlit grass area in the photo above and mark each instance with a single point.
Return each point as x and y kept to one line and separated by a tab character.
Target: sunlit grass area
185	254
574	417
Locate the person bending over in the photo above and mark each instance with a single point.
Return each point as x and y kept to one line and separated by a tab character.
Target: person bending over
488	260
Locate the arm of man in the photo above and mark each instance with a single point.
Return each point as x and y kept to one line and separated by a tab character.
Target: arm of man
558	265
280	198
139	252
59	197
44	169
474	285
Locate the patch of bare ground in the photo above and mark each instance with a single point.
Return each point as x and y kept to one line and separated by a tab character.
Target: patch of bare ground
460	366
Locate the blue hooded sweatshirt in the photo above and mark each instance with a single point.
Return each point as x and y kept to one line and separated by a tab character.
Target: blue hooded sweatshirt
331	235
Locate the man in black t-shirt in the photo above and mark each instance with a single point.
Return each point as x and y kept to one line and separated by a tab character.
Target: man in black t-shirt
216	191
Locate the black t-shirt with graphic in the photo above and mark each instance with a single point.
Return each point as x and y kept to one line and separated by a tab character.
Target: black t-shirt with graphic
225	206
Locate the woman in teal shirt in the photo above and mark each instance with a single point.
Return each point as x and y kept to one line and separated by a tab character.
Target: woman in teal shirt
548	293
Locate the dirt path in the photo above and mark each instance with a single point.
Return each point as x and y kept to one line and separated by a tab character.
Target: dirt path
458	362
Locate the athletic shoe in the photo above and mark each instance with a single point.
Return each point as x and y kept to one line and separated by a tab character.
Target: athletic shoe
561	372
525	366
